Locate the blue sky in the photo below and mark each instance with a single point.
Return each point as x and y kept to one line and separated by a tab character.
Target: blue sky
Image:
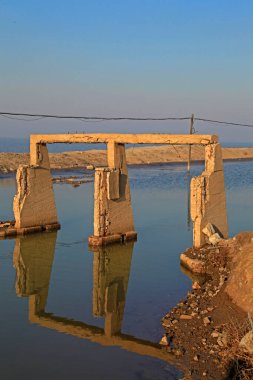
131	57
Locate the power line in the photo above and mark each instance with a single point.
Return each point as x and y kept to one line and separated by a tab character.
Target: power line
99	118
18	116
224	122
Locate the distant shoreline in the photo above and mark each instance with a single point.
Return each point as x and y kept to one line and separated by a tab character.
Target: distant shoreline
148	155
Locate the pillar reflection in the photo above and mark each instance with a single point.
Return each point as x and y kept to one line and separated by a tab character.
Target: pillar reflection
33	260
111	269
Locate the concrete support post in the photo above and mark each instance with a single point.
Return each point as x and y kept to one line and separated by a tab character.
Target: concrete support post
34	203
208	197
113	216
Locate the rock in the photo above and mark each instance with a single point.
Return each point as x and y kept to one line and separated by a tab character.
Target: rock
178	352
185	316
90	167
207	321
214	239
196	358
215	334
194	265
222	340
164	341
208	230
195	285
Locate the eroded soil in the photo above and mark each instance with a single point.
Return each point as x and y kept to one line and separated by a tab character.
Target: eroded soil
204	329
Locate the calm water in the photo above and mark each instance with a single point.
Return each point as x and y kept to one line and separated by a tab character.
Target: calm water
61	303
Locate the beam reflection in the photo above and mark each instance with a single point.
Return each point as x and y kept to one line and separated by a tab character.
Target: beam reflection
33	260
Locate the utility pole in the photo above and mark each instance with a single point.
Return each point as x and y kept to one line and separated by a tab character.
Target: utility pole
190	147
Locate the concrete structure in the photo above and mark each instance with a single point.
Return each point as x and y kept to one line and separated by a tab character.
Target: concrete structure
208	197
34	204
113	215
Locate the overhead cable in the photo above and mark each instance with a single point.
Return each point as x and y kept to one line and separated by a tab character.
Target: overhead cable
33	117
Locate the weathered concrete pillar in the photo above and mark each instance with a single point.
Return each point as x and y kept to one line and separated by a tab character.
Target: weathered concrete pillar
34	203
208	197
113	216
111	269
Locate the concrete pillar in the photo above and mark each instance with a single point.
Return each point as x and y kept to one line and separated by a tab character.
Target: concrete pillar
113	216
208	197
34	203
111	269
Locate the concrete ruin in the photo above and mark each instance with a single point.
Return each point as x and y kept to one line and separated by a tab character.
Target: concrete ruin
113	215
34	204
208	197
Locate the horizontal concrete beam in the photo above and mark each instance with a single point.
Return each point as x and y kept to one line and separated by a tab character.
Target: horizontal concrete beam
151	138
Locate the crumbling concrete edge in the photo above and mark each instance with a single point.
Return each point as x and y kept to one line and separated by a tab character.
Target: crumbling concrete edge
112	239
193	265
11	232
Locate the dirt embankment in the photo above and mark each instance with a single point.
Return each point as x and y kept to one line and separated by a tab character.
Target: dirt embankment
205	329
135	156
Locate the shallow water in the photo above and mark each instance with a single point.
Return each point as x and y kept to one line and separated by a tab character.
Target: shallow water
61	304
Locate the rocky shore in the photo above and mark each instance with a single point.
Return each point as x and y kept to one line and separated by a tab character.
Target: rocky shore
9	162
207	331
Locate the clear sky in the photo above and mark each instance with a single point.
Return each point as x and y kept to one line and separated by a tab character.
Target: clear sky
127	58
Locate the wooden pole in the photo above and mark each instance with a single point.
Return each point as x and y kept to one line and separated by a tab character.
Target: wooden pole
190	147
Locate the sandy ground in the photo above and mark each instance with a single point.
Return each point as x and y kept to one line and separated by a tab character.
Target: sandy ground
135	156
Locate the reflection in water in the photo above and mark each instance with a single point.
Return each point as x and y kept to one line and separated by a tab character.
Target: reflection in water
195	277
111	268
189	222
33	261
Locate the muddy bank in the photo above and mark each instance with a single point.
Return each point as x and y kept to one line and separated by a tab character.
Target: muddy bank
205	329
9	162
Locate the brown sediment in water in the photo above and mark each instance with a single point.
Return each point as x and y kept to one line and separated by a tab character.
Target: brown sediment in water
204	330
9	162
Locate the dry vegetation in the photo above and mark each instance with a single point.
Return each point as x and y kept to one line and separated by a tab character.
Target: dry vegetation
238	361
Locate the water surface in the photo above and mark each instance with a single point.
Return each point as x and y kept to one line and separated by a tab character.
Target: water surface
62	304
